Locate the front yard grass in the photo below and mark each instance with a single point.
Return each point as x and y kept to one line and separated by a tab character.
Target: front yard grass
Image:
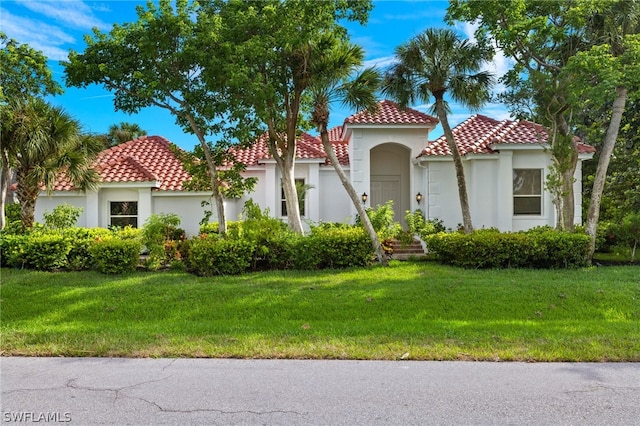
410	310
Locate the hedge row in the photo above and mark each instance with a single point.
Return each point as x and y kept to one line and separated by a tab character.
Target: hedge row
492	249
255	245
325	248
71	249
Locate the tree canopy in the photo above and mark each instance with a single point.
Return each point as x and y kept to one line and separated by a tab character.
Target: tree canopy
161	60
269	47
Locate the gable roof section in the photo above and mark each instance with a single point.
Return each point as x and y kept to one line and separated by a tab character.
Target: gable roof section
390	113
307	148
480	134
146	159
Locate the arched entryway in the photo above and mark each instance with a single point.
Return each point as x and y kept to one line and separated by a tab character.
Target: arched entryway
389	178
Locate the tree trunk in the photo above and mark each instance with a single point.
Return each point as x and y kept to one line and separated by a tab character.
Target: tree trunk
566	161
213	172
457	162
355	198
285	159
568	196
603	164
27	197
5	182
291	195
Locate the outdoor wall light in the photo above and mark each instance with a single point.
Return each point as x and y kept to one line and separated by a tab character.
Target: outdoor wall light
418	197
364	197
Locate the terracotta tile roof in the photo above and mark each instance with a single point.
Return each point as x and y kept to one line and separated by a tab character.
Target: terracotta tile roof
340	146
146	159
478	133
335	134
390	113
307	148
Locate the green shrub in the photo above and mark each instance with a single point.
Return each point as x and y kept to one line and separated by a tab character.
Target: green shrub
41	251
333	248
219	256
63	216
12	212
12	249
160	234
382	220
127	233
630	229
79	257
115	256
492	249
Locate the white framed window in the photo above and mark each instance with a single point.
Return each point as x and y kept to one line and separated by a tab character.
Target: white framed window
123	213
300	186
527	192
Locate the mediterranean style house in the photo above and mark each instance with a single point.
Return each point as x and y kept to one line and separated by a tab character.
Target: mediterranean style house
387	155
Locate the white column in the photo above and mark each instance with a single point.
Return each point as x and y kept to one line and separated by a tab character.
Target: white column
313	194
505	191
145	207
92	213
272	190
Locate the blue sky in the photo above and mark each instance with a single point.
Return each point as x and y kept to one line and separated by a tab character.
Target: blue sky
55	26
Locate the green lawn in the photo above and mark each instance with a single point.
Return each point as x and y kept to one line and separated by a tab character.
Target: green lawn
412	310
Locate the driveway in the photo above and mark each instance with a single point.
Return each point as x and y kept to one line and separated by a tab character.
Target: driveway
91	391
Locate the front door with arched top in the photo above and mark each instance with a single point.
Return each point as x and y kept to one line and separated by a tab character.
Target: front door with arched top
389	178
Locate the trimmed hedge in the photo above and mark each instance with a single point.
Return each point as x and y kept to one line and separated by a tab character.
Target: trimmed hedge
81	239
219	256
492	249
339	247
115	256
44	252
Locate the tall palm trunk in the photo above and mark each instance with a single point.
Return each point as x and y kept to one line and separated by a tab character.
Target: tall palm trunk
457	162
603	164
355	198
27	196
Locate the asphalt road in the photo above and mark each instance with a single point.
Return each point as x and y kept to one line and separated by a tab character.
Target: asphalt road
89	391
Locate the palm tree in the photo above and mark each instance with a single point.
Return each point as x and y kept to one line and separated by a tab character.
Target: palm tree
435	63
123	132
332	82
40	143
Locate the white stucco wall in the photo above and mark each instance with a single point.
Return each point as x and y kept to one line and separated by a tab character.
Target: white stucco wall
335	204
490	190
534	160
46	203
187	206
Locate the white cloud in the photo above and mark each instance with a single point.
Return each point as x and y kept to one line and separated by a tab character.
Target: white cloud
46	38
381	63
75	14
500	63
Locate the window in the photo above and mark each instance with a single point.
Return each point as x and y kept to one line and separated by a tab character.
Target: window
527	192
123	213
301	188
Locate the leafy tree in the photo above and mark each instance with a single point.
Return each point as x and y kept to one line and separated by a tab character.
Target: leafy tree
23	74
541	36
160	61
621	192
608	72
270	46
435	63
335	81
46	141
123	132
575	55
